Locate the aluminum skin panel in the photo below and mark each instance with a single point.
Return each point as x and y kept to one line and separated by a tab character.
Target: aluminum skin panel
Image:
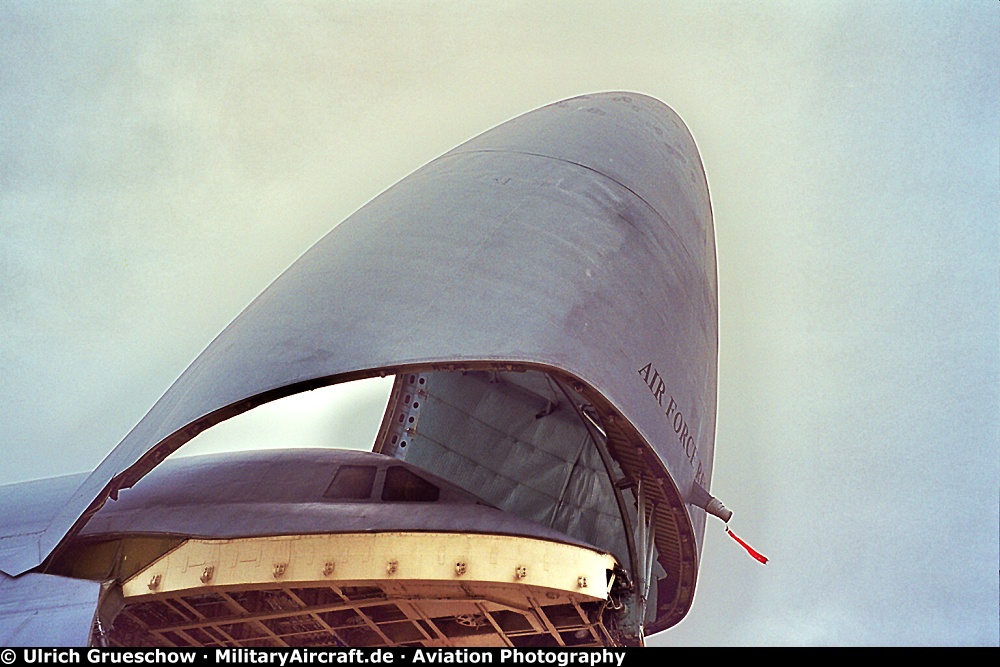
576	238
46	610
29	507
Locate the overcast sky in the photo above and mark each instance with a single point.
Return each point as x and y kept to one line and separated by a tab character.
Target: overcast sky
162	162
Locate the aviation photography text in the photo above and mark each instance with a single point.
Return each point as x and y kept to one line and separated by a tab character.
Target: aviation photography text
558	657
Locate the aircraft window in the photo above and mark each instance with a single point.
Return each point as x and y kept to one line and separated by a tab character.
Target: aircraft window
351	483
401	485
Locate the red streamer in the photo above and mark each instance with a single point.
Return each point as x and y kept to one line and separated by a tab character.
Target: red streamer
750	550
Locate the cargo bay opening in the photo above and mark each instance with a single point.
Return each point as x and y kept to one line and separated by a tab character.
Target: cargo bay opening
520	443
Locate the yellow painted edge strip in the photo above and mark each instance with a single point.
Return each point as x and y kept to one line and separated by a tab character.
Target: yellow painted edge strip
333	559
